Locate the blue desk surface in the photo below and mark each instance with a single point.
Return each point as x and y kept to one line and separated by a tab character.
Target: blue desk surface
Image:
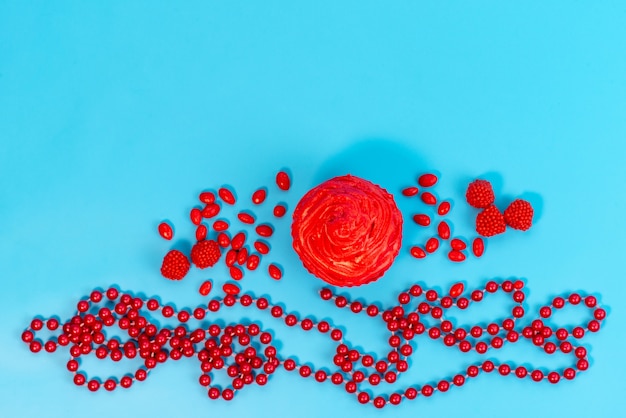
113	117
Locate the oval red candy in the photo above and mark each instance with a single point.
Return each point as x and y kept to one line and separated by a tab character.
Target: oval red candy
283	181
427	180
231	289
456	256
410	191
443	230
205	288
478	247
165	230
421	219
429	198
456	290
444	208
432	244
258	197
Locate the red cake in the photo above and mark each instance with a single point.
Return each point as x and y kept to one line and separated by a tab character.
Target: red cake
347	231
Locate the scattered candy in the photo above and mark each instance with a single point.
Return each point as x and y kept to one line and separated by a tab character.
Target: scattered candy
429	198
196	216
478	247
207	197
457	244
410	191
264	230
479	194
275	272
456	256
253	262
432	244
456	290
223	240
165	230
238	240
443	208
205	288
283	181
261	247
236	273
279	211
427	180
227	196
417	252
421	219
211	210
201	232
246	218
443	229
231	289
259	196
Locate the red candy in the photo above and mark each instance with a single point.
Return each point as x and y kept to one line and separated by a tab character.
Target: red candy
223	240
246	218
211	210
165	231
456	290
417	252
275	272
261	247
432	244
456	256
236	273
196	216
427	180
201	232
231	289
175	265
264	230
205	288
258	196
283	181
279	211
253	262
421	219
207	197
457	244
220	225
410	191
429	198
478	247
226	195
443	208
443	230
238	241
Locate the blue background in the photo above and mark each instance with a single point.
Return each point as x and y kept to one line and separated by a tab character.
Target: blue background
114	116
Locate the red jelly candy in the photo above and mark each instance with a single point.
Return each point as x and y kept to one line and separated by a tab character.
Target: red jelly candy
231	289
410	191
207	197
283	181
220	225
444	208
231	257
427	180
166	231
236	273
457	244
429	198
253	262
478	247
261	247
223	240
226	195
417	252
196	216
201	232
264	230
275	272
432	244
456	290
456	256
258	197
443	230
279	211
205	288
246	218
210	210
421	219
238	241
242	256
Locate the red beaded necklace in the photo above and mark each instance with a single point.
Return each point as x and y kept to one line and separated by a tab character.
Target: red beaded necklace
245	352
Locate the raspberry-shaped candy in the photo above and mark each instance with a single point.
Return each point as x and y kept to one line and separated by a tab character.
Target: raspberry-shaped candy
519	215
175	265
205	253
490	222
479	194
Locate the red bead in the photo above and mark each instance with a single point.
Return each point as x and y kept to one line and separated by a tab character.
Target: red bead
574	299
569	373
536	375
558	302
582	364
363	397
472	371
580	352
395	399
443	386
488	366
410	393
553	377
504	369
79	379
458	380
599	314
35	346
427	390
545	312
521	372
93	385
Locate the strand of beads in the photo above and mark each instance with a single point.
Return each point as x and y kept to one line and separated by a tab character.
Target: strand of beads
245	353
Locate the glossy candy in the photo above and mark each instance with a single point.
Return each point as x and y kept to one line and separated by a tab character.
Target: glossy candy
205	288
246	218
457	244
220	225
261	247
431	245
227	196
259	196
275	272
478	247
196	216
418	252
443	208
427	180
223	240
421	219
283	181
428	198
236	273
238	240
279	211
165	230
456	290
207	197
264	230
456	256
253	262
211	210
201	232
443	230
410	191
231	289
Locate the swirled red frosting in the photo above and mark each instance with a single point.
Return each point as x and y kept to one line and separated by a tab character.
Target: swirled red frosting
347	231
